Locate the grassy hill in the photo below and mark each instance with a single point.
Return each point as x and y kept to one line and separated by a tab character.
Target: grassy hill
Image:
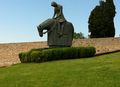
100	71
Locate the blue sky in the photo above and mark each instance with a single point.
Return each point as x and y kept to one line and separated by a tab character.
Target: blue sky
19	18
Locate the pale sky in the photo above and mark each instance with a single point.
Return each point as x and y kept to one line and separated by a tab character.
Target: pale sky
19	18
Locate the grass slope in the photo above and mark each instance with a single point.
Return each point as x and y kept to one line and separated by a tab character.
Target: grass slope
101	71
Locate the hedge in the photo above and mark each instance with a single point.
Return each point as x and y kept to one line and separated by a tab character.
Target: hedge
38	55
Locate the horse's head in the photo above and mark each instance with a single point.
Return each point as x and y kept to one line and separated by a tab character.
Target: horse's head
46	25
40	30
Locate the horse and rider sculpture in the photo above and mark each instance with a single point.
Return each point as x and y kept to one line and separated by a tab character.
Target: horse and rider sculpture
60	31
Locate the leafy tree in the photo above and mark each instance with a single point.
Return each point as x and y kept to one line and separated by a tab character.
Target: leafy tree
101	20
78	35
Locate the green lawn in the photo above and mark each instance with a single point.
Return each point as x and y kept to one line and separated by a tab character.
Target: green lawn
101	71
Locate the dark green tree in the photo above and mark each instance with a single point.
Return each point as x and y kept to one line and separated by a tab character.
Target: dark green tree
101	20
78	35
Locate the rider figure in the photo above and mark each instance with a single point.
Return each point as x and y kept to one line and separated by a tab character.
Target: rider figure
58	14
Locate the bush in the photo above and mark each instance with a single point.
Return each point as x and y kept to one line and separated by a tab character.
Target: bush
23	57
38	55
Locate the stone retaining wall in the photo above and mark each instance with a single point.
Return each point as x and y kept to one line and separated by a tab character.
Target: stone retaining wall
9	52
102	45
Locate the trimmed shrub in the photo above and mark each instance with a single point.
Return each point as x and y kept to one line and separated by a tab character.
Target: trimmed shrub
38	55
23	57
35	56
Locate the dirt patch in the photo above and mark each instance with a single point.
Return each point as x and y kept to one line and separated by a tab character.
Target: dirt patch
9	52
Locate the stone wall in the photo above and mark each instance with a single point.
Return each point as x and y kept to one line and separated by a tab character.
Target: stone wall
9	52
102	45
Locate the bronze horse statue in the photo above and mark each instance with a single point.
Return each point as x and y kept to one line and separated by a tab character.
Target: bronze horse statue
57	37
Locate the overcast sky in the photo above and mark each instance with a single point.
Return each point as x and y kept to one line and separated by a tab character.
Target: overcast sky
19	18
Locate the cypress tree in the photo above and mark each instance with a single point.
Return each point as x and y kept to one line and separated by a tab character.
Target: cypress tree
101	20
